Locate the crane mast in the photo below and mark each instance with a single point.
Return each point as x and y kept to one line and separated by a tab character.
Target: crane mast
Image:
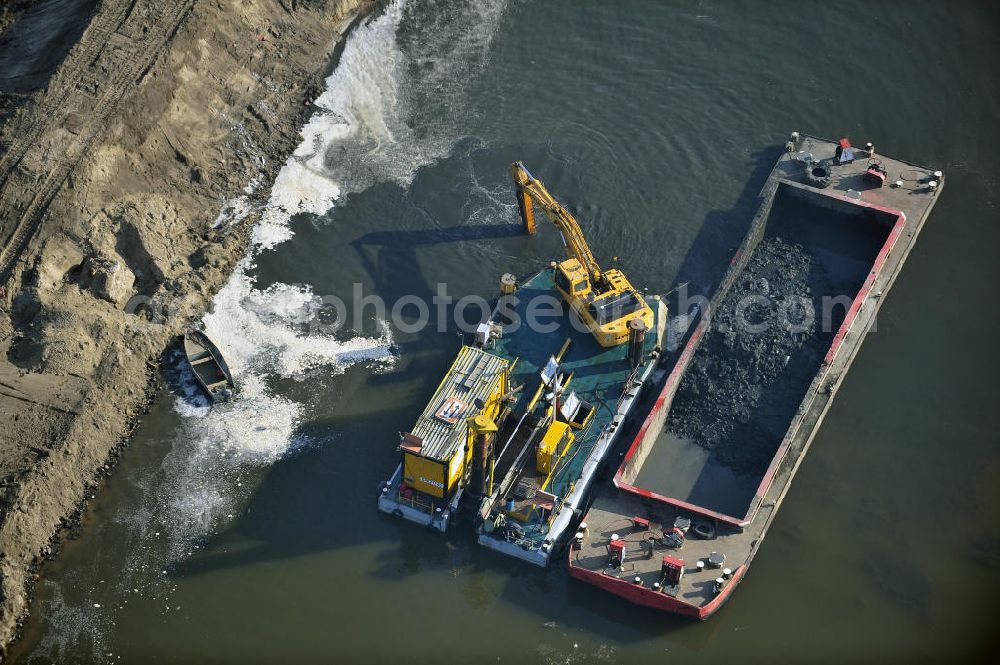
529	190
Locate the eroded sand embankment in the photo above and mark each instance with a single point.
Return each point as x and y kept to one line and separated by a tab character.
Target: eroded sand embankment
111	181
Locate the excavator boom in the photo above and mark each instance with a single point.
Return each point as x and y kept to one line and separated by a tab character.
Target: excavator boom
605	301
531	190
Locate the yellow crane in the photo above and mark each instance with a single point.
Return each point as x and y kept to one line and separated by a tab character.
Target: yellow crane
603	299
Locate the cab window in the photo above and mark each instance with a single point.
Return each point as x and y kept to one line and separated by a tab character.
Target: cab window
562	281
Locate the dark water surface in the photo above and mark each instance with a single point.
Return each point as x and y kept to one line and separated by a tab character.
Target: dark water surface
249	533
36	42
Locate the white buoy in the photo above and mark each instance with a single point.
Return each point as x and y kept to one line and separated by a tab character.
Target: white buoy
897	184
932	185
727	573
719	584
583	526
937	175
614	536
656	586
637	580
700	565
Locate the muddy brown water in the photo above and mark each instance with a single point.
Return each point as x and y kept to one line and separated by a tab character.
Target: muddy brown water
250	534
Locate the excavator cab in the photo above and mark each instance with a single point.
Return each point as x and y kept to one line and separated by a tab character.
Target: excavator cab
572	280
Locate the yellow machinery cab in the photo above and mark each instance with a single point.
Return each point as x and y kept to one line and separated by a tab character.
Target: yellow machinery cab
552	447
437	452
572	280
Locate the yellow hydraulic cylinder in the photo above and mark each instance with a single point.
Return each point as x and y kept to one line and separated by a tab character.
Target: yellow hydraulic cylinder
552	447
483	432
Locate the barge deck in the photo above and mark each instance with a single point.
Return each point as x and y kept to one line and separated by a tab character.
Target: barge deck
716	463
601	379
544	505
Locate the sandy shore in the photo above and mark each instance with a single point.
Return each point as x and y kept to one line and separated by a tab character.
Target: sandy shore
113	172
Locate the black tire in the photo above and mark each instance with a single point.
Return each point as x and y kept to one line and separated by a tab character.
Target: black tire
819	175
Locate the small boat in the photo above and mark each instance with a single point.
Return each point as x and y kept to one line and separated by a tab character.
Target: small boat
208	366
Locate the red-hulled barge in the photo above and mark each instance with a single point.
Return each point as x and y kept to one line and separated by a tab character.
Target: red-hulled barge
690	508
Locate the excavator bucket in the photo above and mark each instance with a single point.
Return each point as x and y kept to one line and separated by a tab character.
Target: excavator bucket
524	203
527	213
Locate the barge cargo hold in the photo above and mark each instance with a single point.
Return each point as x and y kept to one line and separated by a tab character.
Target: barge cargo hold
707	471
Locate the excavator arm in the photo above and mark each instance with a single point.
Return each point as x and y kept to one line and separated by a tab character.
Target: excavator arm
605	300
531	191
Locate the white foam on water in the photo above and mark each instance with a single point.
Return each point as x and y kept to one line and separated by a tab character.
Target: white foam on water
384	86
297	189
73	625
391	106
395	101
262	333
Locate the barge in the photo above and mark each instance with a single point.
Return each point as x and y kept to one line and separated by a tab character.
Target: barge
523	419
706	473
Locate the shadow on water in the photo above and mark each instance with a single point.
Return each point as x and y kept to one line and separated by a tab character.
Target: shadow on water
390	257
396	246
713	248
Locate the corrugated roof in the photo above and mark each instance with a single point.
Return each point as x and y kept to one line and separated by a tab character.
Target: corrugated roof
474	375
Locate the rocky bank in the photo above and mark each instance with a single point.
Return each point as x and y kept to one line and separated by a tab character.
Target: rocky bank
113	173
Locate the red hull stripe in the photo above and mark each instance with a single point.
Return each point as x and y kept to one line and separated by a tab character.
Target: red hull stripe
641	595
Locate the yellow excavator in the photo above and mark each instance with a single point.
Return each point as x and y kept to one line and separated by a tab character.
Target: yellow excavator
603	299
